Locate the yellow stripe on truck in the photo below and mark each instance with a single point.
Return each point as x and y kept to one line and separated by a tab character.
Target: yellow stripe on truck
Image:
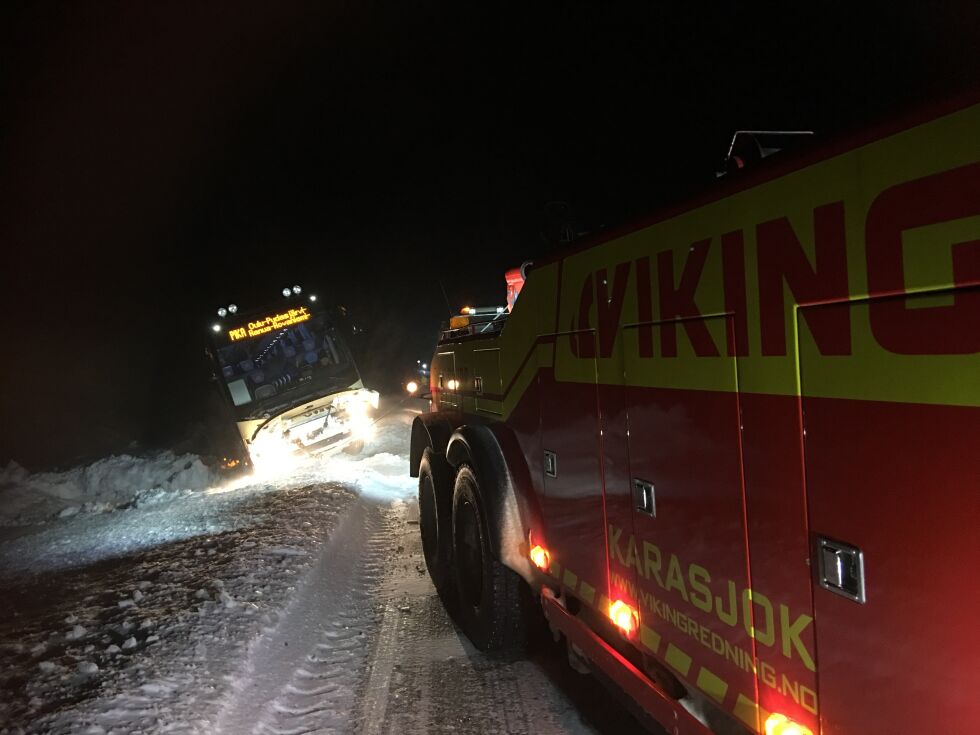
677	659
650	638
749	712
712	685
570	579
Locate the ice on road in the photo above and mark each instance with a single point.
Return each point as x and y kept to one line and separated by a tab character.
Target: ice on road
292	604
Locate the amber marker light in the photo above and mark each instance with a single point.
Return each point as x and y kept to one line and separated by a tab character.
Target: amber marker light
541	558
777	724
624	617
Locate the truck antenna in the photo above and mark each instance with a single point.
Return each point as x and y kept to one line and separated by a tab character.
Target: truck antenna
443	289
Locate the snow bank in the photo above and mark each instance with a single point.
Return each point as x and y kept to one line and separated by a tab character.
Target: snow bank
380	477
104	485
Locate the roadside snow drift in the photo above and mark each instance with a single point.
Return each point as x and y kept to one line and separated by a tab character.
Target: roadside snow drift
105	485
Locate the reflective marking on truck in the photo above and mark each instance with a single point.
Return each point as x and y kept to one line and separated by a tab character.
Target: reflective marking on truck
554	570
735	654
650	638
570	579
749	712
679	660
712	685
707	681
694	584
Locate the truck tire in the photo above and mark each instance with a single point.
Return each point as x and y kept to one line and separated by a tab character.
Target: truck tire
490	601
436	518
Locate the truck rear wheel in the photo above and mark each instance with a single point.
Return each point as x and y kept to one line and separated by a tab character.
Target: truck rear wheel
490	609
436	517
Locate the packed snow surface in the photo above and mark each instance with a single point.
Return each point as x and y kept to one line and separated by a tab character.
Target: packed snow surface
295	602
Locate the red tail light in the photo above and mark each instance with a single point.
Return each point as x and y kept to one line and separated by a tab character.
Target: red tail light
777	724
624	617
540	558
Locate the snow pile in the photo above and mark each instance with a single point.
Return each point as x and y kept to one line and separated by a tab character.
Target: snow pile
105	485
379	477
381	471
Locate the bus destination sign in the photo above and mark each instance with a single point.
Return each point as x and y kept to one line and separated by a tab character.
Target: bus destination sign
271	323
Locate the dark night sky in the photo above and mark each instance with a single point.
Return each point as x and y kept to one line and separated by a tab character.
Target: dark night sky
156	162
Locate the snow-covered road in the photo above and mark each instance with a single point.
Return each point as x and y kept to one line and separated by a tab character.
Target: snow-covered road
285	605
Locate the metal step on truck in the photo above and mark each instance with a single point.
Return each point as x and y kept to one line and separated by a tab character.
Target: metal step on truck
734	451
287	375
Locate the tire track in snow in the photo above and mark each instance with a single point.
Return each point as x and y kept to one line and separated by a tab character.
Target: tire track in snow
374	700
302	676
428	678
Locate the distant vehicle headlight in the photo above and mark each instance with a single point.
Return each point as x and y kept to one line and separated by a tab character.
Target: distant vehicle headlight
216	327
412	387
222	312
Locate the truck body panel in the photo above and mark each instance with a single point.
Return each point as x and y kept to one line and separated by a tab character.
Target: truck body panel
794	360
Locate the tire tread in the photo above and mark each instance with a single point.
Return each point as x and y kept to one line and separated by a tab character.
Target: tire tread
503	626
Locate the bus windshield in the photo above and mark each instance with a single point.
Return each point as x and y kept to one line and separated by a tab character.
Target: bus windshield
278	369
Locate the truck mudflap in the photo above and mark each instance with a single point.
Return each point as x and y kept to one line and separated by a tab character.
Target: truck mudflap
621	672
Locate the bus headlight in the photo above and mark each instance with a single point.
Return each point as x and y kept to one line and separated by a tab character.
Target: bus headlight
273	455
360	422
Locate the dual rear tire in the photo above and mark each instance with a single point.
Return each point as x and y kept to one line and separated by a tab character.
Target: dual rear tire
436	519
486	598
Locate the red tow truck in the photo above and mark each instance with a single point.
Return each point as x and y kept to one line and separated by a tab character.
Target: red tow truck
734	451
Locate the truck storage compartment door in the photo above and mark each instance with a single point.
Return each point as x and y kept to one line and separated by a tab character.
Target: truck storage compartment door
687	546
573	501
893	491
487	385
445	389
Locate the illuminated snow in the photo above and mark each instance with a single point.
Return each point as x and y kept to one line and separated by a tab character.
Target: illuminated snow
165	616
101	486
